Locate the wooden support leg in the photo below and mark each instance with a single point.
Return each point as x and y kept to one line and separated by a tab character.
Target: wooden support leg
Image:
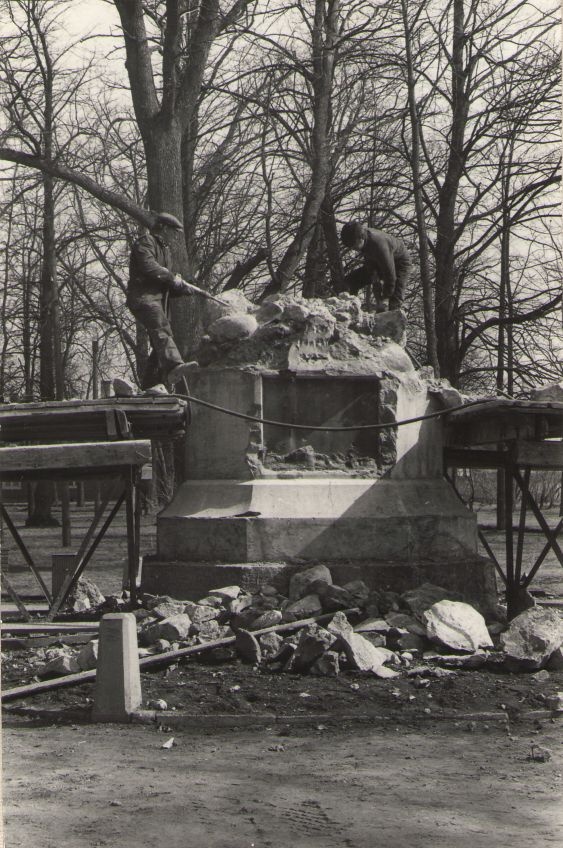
511	586
15	597
131	506
24	552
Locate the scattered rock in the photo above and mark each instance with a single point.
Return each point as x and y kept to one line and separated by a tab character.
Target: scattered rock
360	653
248	647
59	666
476	660
85	596
168	608
375	625
531	639
312	643
270	644
157	704
88	656
304	455
227	593
456	625
200	613
174	628
268	619
209	631
426	595
301	580
410	642
333	598
306	607
403	621
358	592
327	665
555	662
232	327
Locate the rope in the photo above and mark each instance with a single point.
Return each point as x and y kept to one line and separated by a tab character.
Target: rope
350	428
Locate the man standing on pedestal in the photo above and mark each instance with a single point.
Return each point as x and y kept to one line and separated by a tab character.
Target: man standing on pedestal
386	267
151	285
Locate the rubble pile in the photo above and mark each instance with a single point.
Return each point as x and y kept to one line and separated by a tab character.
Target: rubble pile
332	335
426	630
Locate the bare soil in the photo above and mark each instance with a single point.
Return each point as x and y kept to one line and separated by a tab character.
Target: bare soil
268	759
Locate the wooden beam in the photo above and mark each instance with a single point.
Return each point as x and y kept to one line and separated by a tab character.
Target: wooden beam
539	455
74	457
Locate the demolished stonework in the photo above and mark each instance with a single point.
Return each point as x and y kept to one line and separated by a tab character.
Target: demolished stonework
386	635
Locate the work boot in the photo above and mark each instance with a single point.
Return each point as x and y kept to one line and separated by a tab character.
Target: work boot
179	372
124	388
155	391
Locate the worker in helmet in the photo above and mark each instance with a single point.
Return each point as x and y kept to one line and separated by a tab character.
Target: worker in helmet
151	285
386	266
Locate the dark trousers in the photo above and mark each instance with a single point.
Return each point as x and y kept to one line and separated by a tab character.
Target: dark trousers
149	310
364	276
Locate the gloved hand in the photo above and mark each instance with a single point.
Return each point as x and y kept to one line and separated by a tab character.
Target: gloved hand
181	286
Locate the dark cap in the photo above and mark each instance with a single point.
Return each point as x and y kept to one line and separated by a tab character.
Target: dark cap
351	232
167	220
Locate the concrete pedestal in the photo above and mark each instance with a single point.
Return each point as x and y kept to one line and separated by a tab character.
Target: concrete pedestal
118	677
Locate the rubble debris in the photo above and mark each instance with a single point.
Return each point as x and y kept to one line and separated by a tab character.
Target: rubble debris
555	702
456	625
306	607
421	598
248	647
88	656
62	664
531	639
84	596
360	653
327	665
300	582
157	704
313	641
270	644
174	628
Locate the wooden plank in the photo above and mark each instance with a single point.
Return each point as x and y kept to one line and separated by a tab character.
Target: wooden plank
74	457
18	628
540	455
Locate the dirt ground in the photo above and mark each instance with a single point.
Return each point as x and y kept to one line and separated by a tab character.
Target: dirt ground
268	760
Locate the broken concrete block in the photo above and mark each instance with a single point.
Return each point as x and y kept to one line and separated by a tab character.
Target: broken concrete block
227	593
456	625
268	619
59	666
248	647
150	601
300	581
403	621
270	644
327	665
305	455
312	643
333	598
88	655
410	642
360	653
200	613
210	601
239	604
378	640
476	660
159	646
426	595
232	327
306	607
174	628
358	592
372	625
531	639
208	631
168	608
296	312
234	302
84	596
385	673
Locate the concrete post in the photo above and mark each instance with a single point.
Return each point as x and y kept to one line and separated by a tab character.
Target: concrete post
118	677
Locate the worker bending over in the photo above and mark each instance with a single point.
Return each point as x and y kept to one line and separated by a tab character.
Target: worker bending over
386	266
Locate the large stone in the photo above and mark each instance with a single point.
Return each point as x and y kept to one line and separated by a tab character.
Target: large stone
270	644
84	596
248	647
402	621
230	328
175	628
60	666
360	653
457	626
358	592
313	642
88	655
532	637
268	619
327	665
199	613
168	608
421	598
301	580
234	302
306	607
332	597
226	593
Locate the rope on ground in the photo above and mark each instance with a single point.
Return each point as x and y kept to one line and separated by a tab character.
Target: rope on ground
350	428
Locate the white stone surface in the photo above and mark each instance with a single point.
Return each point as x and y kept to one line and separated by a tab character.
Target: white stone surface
457	625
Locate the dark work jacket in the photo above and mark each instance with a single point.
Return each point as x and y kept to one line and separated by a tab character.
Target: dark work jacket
149	268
